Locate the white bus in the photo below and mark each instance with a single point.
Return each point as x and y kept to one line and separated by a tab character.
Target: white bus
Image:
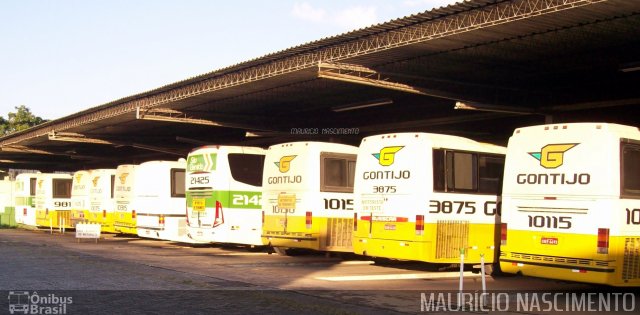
427	197
308	196
53	200
80	198
224	194
159	200
101	201
571	203
125	215
25	199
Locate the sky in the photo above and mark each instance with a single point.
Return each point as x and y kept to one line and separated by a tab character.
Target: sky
58	57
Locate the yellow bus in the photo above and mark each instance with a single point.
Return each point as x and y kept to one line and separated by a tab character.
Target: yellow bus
101	201
571	203
125	216
308	196
427	197
80	197
53	200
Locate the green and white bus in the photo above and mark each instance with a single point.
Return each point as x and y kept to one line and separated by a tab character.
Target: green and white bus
224	194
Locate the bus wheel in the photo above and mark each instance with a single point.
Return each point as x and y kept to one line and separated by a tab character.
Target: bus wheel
282	251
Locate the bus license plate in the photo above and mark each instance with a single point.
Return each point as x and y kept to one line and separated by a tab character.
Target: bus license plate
198	204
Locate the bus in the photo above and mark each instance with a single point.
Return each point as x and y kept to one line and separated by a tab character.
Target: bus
308	196
53	200
159	200
427	197
224	191
7	202
25	202
80	199
101	202
125	216
571	203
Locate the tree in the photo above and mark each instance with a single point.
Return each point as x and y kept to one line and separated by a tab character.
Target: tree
20	120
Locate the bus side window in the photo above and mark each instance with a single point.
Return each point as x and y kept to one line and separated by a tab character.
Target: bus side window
462	171
61	188
32	186
490	174
467	172
113	182
337	172
247	168
177	183
351	173
438	170
630	177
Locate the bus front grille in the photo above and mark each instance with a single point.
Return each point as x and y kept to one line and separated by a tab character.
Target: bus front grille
631	264
64	216
451	236
555	259
339	232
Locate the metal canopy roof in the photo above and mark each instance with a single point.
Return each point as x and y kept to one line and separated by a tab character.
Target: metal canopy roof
520	62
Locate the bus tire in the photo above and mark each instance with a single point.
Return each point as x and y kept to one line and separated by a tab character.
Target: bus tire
282	251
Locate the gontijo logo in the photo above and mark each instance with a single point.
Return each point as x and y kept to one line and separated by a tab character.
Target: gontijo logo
552	155
78	178
285	163
95	181
123	178
387	155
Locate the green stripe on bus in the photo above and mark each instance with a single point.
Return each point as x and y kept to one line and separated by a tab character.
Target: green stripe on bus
232	199
25	201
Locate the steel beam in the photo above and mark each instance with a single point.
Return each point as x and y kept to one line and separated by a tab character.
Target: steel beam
487	15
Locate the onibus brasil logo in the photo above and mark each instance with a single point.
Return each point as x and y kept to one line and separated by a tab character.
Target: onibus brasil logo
386	156
552	155
285	163
24	302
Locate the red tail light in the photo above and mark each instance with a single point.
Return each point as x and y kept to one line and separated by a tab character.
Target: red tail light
46	211
503	234
219	216
24	211
133	214
355	221
603	241
308	219
419	224
161	220
104	213
262	217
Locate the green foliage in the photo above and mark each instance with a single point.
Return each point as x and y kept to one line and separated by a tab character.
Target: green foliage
19	120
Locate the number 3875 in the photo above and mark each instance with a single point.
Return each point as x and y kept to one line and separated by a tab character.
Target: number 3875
490	208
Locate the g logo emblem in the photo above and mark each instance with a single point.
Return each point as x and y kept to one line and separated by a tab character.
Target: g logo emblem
387	155
552	155
285	163
123	178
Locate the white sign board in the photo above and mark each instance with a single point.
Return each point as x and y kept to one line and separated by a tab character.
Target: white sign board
87	230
